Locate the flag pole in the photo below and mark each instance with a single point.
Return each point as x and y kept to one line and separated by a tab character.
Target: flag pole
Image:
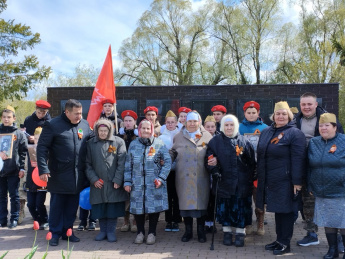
115	113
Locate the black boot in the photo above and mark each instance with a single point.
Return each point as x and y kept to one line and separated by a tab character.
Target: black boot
188	234
333	246
227	239
239	239
201	234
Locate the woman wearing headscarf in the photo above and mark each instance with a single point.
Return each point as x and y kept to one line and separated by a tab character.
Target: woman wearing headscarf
192	179
145	180
326	155
105	163
281	155
235	172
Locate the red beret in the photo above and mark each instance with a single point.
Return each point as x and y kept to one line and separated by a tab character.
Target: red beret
108	101
129	113
251	104
151	108
43	104
183	109
218	108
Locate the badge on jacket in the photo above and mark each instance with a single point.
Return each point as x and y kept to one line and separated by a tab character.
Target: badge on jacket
152	151
14	137
80	133
276	139
333	149
239	150
112	149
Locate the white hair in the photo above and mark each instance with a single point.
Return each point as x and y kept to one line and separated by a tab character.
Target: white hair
231	118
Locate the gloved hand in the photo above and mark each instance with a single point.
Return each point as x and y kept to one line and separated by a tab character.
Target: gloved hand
216	176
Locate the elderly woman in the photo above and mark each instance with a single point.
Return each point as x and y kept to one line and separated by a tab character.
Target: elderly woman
192	179
327	180
105	164
235	172
281	155
147	167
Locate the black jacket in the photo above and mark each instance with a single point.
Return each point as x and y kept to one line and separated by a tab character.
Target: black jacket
237	172
319	111
280	166
128	136
17	162
31	123
60	145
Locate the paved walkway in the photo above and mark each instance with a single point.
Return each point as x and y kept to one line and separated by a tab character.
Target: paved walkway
19	242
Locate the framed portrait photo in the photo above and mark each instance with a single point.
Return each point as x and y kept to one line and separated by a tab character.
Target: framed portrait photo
254	139
6	144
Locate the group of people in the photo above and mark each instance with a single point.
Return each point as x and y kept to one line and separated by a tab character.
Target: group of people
210	172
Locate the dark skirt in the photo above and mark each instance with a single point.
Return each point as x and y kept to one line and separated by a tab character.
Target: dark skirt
234	211
108	210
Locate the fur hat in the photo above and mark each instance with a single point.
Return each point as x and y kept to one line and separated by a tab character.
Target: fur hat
327	118
233	118
104	122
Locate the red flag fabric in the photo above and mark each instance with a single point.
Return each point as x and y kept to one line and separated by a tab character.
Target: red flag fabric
104	89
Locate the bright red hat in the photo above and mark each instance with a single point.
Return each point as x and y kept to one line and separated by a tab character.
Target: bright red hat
129	113
108	101
43	104
151	108
183	109
218	108
251	104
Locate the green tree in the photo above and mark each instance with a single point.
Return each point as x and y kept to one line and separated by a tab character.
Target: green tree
18	77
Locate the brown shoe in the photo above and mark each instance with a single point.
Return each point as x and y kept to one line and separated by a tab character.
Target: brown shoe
260	221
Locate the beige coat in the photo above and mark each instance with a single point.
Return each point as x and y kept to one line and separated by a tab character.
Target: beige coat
192	179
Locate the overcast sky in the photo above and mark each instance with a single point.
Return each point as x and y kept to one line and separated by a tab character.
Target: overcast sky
80	31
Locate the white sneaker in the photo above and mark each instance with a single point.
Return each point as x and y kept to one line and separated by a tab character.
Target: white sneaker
139	239
151	239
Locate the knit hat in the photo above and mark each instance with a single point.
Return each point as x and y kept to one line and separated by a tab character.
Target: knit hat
218	108
281	105
251	104
170	113
151	108
38	131
210	118
327	118
227	118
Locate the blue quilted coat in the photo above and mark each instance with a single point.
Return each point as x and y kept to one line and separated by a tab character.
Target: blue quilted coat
326	169
142	167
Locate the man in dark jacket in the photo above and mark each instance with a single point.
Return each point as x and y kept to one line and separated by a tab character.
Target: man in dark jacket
36	119
60	148
13	167
307	120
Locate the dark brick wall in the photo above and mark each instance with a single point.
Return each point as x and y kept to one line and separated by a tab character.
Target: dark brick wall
329	93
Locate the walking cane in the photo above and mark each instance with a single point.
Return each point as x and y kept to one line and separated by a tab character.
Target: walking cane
214	215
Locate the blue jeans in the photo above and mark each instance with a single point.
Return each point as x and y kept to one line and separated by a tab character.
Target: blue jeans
9	184
63	209
36	206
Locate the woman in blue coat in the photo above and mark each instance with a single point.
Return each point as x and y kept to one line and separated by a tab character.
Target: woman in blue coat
326	155
147	167
280	168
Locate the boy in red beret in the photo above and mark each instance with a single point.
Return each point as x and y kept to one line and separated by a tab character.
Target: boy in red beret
151	114
182	116
252	123
219	112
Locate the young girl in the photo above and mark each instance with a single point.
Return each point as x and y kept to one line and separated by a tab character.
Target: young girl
105	162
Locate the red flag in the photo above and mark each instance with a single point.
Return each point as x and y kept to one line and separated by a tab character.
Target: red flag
104	89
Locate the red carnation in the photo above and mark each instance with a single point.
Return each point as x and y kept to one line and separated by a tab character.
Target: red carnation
36	225
49	236
69	232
